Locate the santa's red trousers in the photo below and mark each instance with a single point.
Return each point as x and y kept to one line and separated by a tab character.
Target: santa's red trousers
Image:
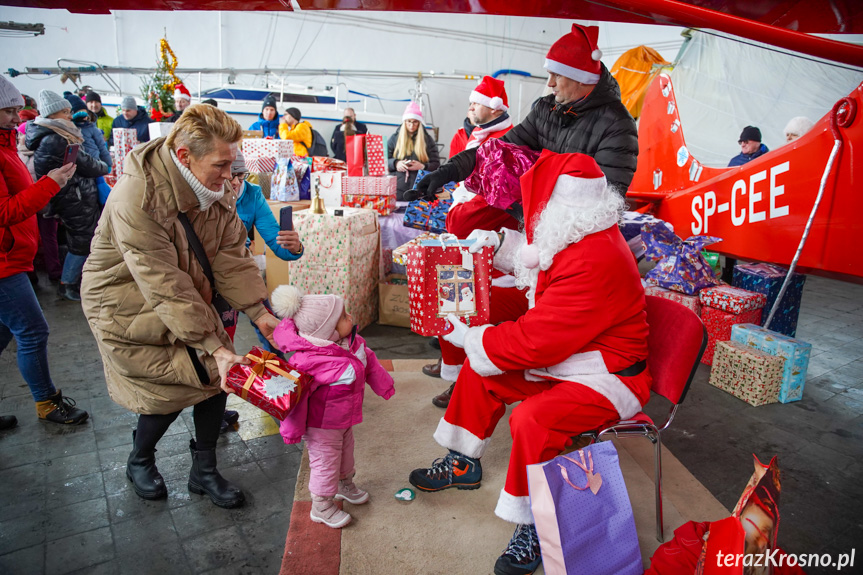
505	304
542	425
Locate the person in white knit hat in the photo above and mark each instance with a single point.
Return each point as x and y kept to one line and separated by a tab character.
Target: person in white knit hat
796	127
324	338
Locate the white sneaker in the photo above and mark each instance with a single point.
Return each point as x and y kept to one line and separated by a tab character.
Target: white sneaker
324	510
348	491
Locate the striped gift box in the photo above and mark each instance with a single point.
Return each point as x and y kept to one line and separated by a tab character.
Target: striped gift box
260	164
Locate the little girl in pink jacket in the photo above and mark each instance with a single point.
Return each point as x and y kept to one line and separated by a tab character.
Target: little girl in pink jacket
327	347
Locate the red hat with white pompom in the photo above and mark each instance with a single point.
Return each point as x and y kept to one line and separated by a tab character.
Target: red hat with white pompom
490	93
576	55
575	181
182	93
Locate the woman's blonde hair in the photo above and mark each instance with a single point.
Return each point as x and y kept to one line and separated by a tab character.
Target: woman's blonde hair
200	126
407	145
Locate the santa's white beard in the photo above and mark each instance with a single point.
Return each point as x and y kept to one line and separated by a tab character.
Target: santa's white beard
559	226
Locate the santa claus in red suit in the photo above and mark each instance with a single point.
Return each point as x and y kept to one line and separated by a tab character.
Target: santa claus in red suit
487	116
575	360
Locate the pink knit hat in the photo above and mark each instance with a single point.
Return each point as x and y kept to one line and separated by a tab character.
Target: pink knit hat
413	112
315	315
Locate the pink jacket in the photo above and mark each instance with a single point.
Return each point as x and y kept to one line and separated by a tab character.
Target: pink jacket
335	399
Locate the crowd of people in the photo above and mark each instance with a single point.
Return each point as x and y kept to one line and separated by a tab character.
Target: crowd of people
161	268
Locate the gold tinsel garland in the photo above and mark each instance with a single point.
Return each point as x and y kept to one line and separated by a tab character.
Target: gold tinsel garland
165	50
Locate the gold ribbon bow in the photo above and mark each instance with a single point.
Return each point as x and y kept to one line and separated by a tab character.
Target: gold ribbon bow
268	360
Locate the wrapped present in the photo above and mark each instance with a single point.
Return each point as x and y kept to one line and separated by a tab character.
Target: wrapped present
269	383
690	301
341	258
383	205
499	165
731	299
747	373
795	352
285	187
376	155
444	278
718	324
263	179
124	140
329	186
268	148
681	266
427	215
260	164
327	164
767	279
712	259
367	185
631	222
400	254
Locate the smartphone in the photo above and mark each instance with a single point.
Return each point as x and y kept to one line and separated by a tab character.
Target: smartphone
286	218
71	154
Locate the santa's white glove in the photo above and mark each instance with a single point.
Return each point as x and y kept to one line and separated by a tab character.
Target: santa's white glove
461	195
483	239
459	330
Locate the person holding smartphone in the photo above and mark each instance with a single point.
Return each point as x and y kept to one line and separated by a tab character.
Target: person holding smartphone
411	149
21	316
51	136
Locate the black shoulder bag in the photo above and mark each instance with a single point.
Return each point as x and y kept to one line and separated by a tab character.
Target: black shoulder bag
227	314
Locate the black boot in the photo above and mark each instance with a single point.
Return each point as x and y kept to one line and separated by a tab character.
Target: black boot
141	471
205	479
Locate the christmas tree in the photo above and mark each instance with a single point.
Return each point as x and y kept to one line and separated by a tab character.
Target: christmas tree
158	90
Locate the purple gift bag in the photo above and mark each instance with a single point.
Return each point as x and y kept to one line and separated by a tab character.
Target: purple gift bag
582	514
499	165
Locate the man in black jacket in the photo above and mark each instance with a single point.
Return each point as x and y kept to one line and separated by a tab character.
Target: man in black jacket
348	127
583	114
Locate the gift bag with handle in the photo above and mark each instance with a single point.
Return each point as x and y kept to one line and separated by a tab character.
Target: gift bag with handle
355	154
583	516
285	187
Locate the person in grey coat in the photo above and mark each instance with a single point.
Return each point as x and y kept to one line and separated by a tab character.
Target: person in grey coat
583	114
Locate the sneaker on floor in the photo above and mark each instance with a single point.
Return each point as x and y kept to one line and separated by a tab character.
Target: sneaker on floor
522	556
454	470
324	510
59	409
348	491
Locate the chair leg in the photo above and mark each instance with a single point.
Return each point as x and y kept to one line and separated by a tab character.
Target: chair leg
657	446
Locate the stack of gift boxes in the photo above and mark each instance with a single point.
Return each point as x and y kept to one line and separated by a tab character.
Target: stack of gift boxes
374	189
261	157
124	140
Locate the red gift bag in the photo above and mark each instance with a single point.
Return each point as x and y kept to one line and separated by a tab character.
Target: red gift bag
270	383
444	278
355	152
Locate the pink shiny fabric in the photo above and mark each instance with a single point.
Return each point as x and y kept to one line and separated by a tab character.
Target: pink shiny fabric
499	165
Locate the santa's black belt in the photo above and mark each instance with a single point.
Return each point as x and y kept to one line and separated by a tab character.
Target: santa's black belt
632	370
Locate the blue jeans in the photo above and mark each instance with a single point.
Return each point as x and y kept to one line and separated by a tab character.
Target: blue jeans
21	317
72	269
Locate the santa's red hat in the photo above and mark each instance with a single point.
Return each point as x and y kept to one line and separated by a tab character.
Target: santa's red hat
574	180
181	93
491	93
576	55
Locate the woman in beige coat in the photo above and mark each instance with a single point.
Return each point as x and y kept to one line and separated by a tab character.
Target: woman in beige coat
149	303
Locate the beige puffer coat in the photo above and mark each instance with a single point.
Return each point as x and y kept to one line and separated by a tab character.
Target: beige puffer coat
145	295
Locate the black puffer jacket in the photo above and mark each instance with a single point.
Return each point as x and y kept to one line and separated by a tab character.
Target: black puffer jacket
403	184
599	126
77	204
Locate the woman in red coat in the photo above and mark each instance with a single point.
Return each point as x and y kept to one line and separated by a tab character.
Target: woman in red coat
20	314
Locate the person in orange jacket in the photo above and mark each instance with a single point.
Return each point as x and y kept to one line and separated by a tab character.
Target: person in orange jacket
293	127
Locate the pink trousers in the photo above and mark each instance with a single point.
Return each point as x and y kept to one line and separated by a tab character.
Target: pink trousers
331	457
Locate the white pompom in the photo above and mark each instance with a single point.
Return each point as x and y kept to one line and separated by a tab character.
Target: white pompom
495	103
530	256
596	54
286	301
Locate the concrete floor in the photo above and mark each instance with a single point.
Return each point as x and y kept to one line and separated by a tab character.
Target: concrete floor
67	506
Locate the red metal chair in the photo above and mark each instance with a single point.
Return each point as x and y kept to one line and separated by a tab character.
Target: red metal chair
675	344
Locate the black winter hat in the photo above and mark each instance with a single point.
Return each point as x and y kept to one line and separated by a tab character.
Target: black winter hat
270	102
77	103
295	114
750	134
93	97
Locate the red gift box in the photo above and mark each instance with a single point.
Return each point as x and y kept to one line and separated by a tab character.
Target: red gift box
732	299
269	383
383	205
327	164
690	301
260	164
375	155
718	324
367	185
444	278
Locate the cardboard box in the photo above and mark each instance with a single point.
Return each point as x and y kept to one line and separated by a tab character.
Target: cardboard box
394	301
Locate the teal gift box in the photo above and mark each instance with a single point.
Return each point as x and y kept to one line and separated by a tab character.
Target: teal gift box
795	352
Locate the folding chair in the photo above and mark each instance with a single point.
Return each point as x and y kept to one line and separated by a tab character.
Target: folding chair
676	341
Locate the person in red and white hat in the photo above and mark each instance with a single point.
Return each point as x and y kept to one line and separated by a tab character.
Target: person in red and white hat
583	114
182	100
487	116
575	359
